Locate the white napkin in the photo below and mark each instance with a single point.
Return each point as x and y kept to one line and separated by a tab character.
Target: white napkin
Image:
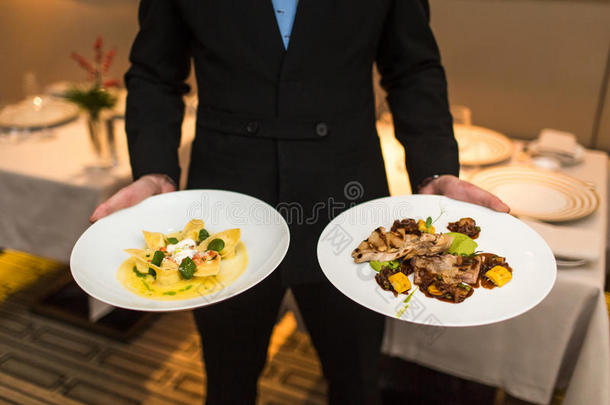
551	140
568	242
558	144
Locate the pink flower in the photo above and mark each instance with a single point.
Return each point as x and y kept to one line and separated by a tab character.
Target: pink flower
108	60
97	48
111	83
84	63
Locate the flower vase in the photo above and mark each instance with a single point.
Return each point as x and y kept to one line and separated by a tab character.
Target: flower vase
101	135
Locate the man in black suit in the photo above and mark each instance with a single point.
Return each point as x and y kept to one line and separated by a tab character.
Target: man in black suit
289	124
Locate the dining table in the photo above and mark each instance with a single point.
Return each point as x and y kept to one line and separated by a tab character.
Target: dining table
562	343
49	186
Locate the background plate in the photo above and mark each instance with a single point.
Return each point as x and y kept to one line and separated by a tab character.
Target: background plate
533	263
537	193
99	251
481	146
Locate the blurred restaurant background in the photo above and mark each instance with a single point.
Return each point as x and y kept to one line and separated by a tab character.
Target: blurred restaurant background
529	88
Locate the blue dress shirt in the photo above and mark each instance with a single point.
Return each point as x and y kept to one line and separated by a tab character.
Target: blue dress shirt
285	10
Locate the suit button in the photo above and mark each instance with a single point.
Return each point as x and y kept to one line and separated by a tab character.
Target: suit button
252	127
322	129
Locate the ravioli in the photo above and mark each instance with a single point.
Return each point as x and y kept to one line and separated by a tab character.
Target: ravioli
178	265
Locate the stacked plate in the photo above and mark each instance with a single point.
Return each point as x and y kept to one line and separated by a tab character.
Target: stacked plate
481	146
539	194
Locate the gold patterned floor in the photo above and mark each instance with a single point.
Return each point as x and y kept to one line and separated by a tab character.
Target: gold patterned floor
43	361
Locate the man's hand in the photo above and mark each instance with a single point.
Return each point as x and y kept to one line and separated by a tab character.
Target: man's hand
132	194
457	189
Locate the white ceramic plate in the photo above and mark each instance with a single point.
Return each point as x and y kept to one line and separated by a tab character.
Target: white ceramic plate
481	146
533	264
539	194
27	115
99	251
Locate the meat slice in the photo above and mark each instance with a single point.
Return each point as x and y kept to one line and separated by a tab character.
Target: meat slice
385	246
447	268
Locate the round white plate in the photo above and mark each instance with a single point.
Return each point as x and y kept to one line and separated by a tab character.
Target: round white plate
46	113
533	263
98	253
540	194
481	146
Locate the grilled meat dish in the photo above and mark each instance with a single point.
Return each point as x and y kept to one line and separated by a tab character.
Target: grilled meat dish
447	277
386	246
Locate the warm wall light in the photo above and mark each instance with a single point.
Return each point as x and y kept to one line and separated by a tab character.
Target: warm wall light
393	156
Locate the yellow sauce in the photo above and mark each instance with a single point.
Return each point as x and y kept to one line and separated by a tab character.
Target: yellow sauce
230	270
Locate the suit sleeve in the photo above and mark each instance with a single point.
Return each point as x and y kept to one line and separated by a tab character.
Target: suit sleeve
411	72
155	81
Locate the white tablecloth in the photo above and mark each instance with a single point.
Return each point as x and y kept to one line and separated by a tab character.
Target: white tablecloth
563	342
49	188
47	195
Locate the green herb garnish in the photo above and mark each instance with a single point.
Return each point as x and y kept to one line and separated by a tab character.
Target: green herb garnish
157	258
428	222
188	287
187	268
217	245
146	285
377	265
406	301
169	293
139	273
152	272
172	241
203	234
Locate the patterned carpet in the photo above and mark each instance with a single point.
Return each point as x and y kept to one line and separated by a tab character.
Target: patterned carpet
45	361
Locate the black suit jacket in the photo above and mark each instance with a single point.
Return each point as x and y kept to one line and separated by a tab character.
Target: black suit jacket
294	128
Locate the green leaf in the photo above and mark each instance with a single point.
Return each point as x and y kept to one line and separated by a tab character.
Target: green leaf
187	268
157	258
428	222
203	234
92	100
152	272
217	245
169	293
394	264
139	273
172	241
377	265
